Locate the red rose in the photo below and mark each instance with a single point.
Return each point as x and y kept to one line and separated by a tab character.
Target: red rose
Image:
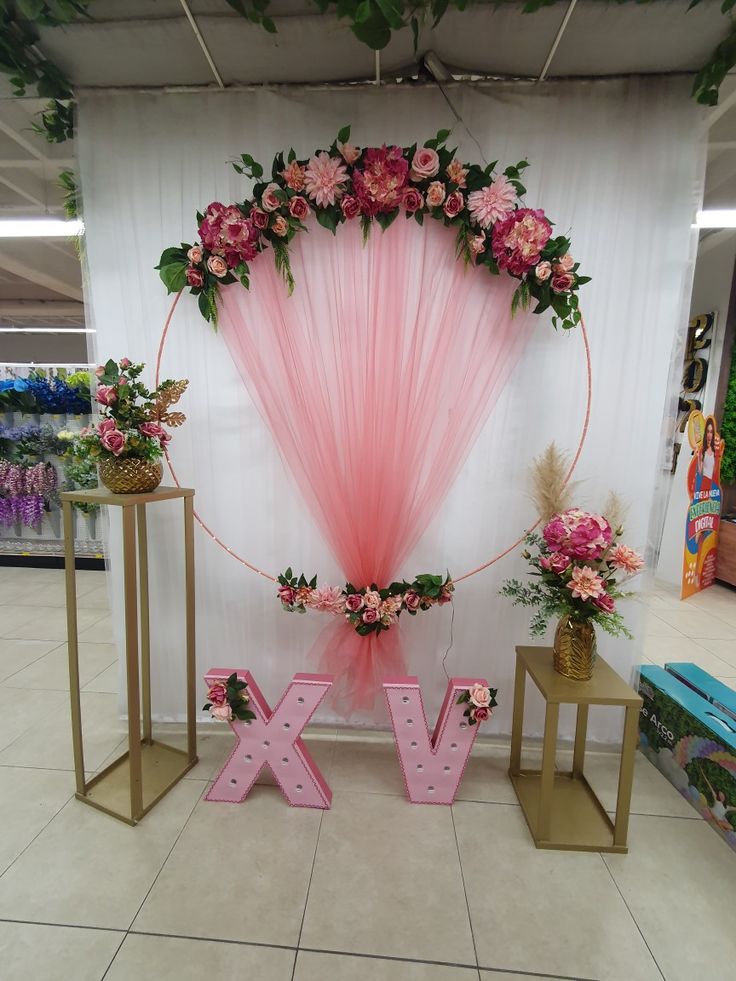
259	218
481	714
454	204
298	207
350	206
195	277
562	282
354	602
413	200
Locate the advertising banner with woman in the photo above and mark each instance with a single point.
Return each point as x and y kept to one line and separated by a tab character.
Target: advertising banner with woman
704	509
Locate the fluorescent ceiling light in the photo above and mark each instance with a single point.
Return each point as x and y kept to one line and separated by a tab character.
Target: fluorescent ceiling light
715	218
47	330
40	228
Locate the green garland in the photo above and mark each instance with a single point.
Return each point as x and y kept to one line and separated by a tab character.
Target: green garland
728	427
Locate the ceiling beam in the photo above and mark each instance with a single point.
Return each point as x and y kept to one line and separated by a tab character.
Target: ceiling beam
712	241
724	106
44	164
41	308
20	140
202	43
22	269
558	37
32	190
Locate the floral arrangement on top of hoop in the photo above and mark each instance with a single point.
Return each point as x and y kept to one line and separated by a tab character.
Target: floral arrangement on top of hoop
377	184
579	564
130	438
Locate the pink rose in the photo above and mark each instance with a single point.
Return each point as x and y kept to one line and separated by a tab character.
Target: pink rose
412	600
543	271
106	394
372	599
195	277
562	282
435	194
298	207
479	695
354	602
106	426
605	602
194	255
287	595
217	694
122	380
100	370
566	262
425	164
348	152
125	363
217	266
370	615
350	206
481	714
269	200
155	431
446	594
556	562
259	218
454	204
114	441
280	226
222	712
412	200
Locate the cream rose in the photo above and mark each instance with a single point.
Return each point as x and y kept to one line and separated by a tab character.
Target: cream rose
217	266
480	696
435	194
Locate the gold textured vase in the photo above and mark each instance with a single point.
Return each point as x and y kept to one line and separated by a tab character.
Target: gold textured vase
131	475
575	648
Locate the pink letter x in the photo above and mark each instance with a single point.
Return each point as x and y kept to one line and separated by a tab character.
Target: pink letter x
274	739
432	768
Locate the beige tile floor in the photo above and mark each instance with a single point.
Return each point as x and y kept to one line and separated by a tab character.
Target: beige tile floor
372	889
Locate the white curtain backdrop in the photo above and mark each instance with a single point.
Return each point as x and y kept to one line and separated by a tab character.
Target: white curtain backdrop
619	163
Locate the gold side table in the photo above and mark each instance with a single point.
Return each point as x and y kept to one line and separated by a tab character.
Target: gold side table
129	787
561	809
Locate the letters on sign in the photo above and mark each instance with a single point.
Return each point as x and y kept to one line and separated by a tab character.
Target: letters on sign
273	739
433	766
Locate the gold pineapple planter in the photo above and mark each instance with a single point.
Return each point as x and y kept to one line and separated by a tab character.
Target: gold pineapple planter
574	651
131	475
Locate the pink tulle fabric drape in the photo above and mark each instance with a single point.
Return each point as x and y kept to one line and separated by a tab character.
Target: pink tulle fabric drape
374	378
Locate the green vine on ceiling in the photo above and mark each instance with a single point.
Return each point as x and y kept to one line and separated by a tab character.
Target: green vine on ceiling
373	22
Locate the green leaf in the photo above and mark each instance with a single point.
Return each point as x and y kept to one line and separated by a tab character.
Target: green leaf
392	12
327	219
362	13
344	135
174	277
438	8
386	219
374	31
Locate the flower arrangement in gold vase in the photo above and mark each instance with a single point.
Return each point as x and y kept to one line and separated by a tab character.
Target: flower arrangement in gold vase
580	566
129	440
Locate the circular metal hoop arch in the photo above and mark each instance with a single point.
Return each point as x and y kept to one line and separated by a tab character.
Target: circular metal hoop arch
466	575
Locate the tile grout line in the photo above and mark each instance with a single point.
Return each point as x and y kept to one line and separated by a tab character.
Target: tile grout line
465	891
311	870
636	923
155	879
40	832
34	661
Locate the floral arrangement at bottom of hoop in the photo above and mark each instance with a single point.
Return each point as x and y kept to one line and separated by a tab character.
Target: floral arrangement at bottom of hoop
228	700
370	609
481	702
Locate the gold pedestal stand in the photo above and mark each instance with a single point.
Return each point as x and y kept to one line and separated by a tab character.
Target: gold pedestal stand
561	809
129	787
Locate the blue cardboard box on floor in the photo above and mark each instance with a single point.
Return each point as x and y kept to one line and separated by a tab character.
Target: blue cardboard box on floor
687	728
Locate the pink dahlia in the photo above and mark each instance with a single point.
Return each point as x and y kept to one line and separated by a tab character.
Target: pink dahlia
379	186
493	202
518	240
328	599
586	583
294	176
323	179
623	557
